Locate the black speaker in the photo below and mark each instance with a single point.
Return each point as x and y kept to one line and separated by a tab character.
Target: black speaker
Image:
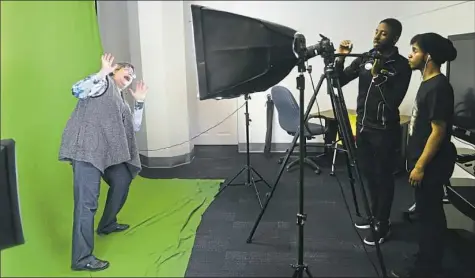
11	231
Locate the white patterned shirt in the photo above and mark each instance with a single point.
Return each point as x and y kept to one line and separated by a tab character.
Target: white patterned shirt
95	85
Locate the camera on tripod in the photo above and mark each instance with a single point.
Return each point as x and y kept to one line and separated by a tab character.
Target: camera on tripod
323	48
231	64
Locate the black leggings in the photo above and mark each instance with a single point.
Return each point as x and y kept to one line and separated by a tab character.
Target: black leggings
430	207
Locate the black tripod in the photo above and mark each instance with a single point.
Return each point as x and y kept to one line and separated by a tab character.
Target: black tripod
248	168
345	133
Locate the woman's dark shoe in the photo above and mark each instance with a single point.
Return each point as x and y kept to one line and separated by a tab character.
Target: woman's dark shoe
95	265
117	228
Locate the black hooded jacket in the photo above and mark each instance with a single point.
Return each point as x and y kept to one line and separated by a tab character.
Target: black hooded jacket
378	97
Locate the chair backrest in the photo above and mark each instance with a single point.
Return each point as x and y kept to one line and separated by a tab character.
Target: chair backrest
287	108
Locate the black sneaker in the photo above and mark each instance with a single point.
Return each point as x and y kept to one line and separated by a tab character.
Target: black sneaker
362	223
382	233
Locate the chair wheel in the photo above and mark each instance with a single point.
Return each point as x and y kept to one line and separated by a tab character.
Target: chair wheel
280	160
318	171
332	174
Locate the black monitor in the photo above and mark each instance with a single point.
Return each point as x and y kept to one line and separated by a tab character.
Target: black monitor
11	232
461	74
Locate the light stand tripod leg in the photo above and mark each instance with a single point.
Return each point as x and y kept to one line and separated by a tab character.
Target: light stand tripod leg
248	168
229	183
349	145
256	190
261	178
285	161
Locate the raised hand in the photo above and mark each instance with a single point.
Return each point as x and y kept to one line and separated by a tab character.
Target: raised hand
107	66
140	91
377	66
345	47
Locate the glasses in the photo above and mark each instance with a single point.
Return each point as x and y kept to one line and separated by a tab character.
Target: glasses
131	74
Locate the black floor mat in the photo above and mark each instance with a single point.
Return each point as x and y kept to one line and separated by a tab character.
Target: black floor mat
332	248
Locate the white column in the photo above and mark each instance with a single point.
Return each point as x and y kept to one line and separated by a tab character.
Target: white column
163	67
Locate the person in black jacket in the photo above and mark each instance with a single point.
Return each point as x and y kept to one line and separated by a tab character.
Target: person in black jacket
383	84
431	154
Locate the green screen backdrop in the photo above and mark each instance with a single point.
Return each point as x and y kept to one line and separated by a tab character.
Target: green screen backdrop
45	48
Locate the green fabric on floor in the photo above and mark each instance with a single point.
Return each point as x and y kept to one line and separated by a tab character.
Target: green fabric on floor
163	214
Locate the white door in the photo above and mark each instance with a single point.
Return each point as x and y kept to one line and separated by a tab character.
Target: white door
210	113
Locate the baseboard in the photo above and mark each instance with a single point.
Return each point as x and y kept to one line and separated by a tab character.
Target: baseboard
167	162
277	147
218	150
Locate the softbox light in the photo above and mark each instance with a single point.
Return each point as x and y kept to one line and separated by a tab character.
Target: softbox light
238	55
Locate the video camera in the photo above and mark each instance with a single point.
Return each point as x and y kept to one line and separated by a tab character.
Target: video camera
323	48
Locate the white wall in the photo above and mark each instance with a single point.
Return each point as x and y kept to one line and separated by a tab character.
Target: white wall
314	17
191	74
114	29
135	54
166	58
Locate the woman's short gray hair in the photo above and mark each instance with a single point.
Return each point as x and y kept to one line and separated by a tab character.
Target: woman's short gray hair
122	65
125	65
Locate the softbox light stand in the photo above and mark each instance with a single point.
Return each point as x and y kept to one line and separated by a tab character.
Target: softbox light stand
250	171
344	132
300	49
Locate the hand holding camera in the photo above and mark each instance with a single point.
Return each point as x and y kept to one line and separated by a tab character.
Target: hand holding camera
345	47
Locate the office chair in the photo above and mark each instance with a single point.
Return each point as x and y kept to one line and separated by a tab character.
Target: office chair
289	120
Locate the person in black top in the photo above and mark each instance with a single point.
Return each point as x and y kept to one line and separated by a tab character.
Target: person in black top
431	154
383	84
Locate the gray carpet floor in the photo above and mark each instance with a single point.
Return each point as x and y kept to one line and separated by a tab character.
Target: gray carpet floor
332	247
